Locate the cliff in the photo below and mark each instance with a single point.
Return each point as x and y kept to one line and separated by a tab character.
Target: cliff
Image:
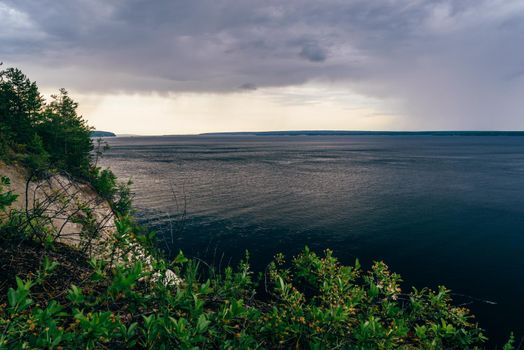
73	214
72	209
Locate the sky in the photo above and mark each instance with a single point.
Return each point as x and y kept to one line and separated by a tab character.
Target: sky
193	66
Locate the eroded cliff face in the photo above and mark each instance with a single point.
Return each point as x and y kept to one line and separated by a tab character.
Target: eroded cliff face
72	213
75	213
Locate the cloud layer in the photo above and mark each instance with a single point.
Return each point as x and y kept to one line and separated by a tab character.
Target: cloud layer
449	64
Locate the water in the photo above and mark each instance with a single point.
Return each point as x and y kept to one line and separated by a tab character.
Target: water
437	209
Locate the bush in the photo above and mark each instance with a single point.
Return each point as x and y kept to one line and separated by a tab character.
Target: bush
316	303
8	218
104	182
123	200
118	194
6	197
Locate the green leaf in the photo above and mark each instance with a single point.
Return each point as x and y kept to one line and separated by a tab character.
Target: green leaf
202	324
180	258
11	297
132	329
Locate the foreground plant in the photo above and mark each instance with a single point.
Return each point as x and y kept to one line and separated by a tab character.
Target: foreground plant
314	303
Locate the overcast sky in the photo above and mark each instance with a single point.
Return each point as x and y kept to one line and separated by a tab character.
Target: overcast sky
172	67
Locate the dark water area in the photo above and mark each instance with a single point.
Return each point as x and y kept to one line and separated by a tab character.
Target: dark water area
437	209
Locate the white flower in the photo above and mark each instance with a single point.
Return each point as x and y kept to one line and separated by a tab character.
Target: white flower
169	279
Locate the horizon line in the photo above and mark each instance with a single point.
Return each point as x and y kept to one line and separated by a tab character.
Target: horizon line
328	132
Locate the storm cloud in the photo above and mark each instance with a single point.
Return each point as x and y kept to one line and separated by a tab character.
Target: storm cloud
447	64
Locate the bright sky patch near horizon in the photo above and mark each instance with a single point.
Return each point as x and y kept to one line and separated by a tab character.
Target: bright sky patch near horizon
184	67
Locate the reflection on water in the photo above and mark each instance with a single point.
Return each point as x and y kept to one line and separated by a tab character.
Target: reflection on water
447	210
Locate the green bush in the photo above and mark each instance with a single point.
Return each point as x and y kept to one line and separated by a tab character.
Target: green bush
123	200
6	197
119	195
104	182
316	303
8	218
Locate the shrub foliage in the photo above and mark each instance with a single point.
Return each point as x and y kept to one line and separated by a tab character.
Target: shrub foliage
343	307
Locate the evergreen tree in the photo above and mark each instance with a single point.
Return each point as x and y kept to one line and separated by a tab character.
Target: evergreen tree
66	135
45	134
20	106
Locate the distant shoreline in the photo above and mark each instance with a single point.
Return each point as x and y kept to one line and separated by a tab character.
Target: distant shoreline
366	133
333	133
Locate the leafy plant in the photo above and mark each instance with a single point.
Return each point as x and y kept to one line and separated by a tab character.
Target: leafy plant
313	303
6	198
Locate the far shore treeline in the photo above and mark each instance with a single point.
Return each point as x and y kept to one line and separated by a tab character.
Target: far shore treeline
367	133
118	291
99	133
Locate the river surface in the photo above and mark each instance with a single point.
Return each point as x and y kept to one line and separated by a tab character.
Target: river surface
437	209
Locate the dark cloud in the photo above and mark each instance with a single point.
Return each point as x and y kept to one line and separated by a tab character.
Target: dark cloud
248	86
313	53
448	63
